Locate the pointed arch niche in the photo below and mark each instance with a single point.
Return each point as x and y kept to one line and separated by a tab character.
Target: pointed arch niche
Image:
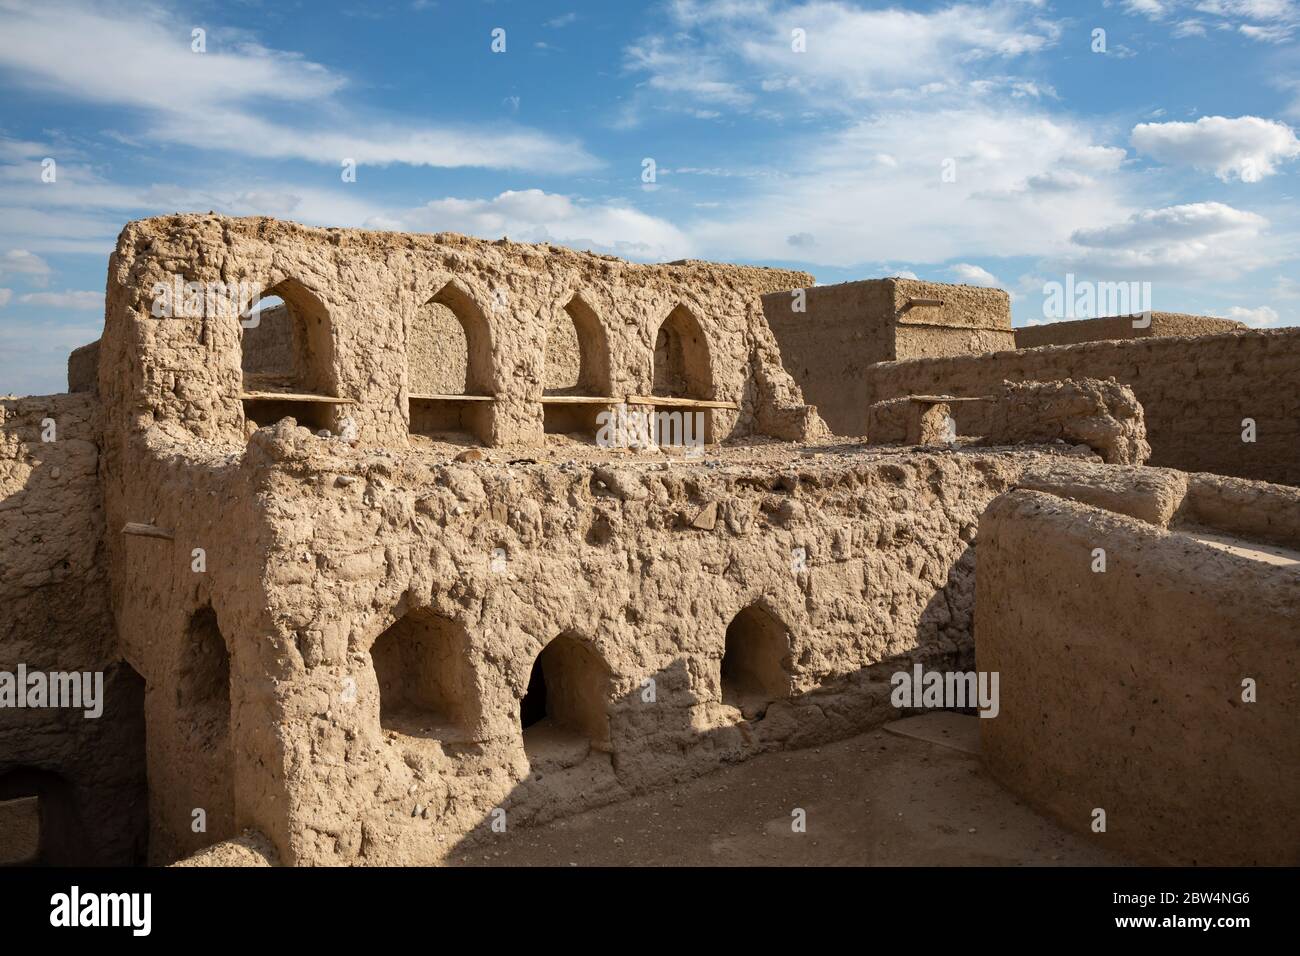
449	368
287	359
576	383
681	381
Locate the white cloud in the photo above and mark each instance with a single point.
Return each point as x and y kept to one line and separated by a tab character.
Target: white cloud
21	262
1246	148
975	275
1268	21
864	212
5	296
65	300
726	53
1154	9
140	58
531	215
1193	240
1261	318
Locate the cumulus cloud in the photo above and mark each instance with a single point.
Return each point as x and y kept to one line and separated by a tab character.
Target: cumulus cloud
532	215
727	53
1189	240
1247	148
907	211
975	275
21	262
1261	318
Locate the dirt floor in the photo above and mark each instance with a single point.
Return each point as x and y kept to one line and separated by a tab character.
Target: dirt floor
879	799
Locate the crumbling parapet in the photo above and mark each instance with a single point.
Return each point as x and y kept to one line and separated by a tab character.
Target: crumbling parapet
1105	416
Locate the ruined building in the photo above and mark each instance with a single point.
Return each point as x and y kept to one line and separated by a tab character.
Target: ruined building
364	568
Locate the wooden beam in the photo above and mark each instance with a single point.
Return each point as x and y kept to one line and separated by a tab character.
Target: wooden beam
669	400
420	397
577	400
147	530
293	397
937	399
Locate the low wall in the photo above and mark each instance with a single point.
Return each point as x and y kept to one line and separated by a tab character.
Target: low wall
1121	327
1195	393
1122	690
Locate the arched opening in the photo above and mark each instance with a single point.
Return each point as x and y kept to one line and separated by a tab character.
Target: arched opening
426	680
449	368
755	662
681	362
203	714
682	381
41	821
288	358
566	708
576	385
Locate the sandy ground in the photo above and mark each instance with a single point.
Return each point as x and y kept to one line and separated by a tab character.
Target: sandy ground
876	800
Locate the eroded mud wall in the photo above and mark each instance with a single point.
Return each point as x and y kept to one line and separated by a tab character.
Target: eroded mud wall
54	617
1195	393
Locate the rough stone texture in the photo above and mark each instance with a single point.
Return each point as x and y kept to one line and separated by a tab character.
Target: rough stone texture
20	831
1105	416
1194	392
1123	690
54	616
83	368
248	849
849	326
1122	327
1152	495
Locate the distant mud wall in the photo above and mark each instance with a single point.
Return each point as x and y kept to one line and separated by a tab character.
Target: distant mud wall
830	335
1196	393
1121	327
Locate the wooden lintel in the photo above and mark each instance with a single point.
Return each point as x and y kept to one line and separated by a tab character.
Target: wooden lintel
293	397
147	530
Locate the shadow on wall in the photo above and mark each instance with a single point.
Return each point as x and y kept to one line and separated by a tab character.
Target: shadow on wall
81	818
586	748
203	719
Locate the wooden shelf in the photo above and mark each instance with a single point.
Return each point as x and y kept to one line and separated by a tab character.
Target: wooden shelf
679	402
945	399
452	398
293	397
578	400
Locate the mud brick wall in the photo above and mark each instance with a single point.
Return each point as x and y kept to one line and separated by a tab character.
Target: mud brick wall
1123	690
1121	327
54	616
1194	392
847	327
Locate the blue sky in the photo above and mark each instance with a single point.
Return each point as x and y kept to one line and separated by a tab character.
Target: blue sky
1004	143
